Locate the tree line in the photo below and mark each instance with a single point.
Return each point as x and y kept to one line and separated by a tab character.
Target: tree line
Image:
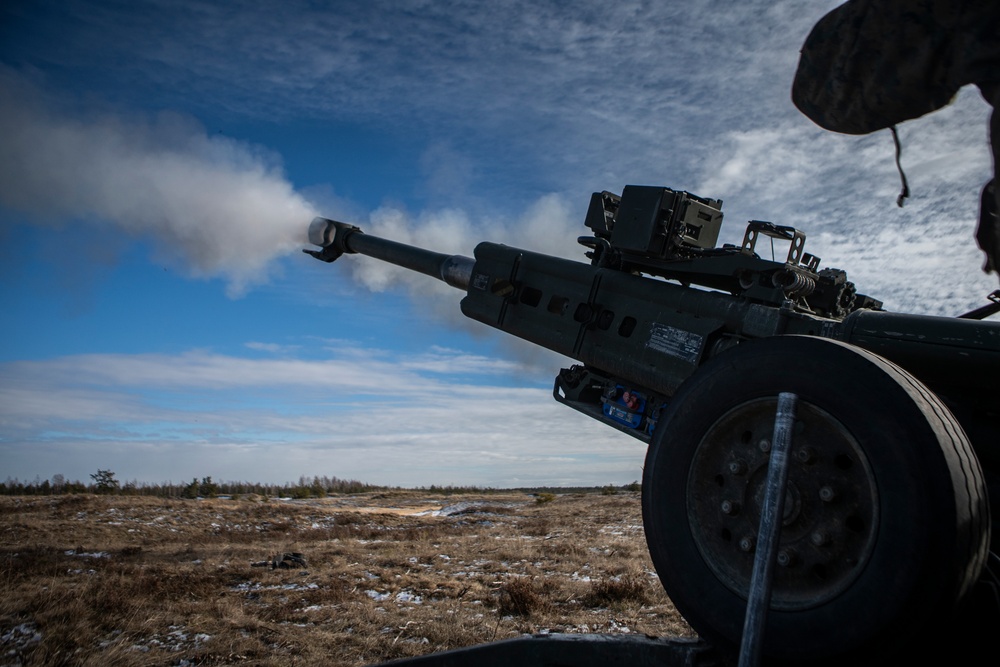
106	482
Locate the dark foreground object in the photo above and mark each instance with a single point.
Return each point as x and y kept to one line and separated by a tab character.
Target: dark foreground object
964	642
686	346
566	650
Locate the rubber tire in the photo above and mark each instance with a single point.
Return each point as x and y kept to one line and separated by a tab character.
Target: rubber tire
933	515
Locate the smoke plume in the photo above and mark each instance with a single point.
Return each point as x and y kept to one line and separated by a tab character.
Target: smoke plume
548	226
222	206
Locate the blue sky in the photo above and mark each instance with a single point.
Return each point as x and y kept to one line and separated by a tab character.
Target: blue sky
160	162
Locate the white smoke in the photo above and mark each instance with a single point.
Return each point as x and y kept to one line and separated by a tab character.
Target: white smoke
223	206
548	225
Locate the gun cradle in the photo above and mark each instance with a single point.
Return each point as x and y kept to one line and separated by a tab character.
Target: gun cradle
648	336
685	346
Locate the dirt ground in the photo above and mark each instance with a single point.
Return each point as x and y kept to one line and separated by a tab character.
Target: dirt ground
121	580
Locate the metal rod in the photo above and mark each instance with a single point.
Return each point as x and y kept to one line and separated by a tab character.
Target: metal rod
335	238
770	530
455	270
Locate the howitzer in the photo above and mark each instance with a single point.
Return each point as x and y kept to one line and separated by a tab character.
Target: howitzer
685	345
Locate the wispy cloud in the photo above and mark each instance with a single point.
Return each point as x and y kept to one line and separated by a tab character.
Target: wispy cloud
565	99
580	96
842	192
162	417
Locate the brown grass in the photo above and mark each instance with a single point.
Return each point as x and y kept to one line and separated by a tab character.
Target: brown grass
140	581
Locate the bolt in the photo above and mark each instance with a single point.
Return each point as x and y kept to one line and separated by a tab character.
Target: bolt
787	557
826	494
819	538
738	467
765	445
746	544
730	507
805	455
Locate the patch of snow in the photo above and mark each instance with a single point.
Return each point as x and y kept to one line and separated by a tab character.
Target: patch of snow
96	554
20	637
407	596
248	587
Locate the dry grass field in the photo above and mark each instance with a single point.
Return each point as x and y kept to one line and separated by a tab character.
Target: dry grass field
119	580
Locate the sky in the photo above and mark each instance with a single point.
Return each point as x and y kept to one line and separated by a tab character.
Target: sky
160	162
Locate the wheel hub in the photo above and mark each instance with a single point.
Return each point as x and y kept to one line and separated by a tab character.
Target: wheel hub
831	503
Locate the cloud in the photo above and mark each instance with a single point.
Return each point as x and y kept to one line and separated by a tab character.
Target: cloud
173	417
220	207
841	191
577	97
214	372
522	109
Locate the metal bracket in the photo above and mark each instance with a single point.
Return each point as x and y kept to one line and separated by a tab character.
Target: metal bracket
784	233
984	311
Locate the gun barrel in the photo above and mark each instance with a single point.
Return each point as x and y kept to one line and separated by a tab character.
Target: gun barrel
336	238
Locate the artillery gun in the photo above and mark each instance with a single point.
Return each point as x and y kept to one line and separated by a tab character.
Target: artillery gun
686	346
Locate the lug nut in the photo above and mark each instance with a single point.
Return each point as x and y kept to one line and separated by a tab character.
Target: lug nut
737	467
787	557
819	538
826	494
765	445
730	507
747	544
805	455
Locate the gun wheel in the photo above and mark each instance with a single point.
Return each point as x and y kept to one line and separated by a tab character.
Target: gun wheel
886	522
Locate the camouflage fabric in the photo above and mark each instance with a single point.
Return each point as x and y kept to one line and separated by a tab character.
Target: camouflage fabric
988	230
870	64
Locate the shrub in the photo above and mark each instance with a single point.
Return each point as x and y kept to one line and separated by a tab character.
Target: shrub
617	590
518	598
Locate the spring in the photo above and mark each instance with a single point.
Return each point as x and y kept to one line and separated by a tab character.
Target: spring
794	284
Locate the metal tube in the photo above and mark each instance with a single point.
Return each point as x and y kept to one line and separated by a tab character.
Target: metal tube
455	270
337	238
770	530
